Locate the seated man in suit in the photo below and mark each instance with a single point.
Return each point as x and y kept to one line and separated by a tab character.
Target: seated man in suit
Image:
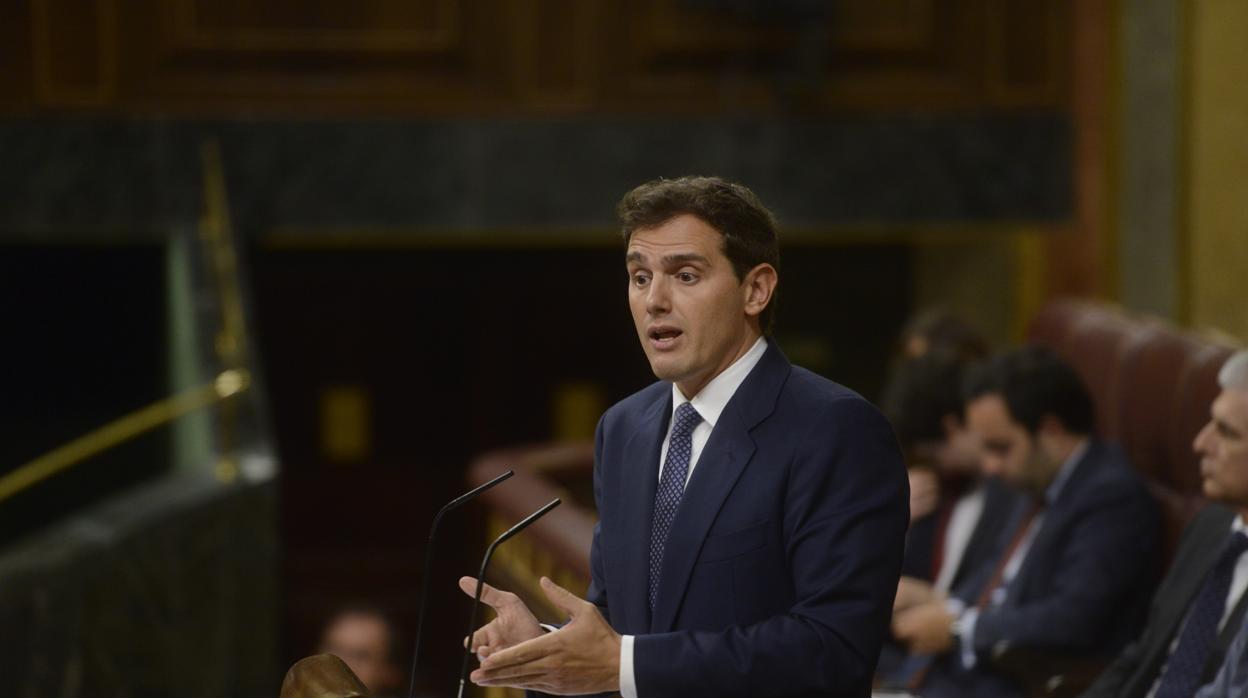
956	534
1076	555
1200	604
752	513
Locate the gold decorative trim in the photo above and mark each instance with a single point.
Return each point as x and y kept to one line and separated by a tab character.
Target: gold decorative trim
1030	288
226	385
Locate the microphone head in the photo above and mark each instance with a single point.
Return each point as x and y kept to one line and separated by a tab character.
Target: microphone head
322	676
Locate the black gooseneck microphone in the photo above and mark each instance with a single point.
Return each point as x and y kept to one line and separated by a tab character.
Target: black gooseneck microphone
485	562
424	587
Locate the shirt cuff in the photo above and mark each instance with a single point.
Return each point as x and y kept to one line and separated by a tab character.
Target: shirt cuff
967	636
628	683
955	606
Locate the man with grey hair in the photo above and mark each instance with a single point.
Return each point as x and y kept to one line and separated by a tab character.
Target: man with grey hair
1199	608
1225	437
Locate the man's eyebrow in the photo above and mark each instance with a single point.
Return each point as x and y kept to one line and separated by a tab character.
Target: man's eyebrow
670	260
686	258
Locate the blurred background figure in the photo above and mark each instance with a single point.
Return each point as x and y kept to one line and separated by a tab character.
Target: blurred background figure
941	330
922	396
956	514
371	644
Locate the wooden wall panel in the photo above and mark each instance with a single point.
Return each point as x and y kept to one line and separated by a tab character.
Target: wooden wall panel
443	57
883	53
1025	54
73	51
323	26
555	47
17	89
431	55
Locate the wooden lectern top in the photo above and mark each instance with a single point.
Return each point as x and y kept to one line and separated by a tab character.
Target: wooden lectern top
322	676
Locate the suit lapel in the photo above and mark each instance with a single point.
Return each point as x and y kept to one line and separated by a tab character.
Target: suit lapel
721	463
638	480
1055	516
1203	557
717	471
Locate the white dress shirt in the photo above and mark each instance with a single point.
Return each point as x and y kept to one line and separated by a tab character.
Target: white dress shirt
710	403
962	522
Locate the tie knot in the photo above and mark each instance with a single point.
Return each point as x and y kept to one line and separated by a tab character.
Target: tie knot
685	420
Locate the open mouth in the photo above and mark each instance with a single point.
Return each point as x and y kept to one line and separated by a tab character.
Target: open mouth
663	336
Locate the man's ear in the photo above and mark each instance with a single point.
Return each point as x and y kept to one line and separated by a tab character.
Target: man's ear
758	288
1048	431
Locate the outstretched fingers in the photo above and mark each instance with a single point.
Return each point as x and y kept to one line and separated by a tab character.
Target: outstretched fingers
489	595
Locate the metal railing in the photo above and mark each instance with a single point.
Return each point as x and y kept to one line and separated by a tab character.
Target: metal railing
220	269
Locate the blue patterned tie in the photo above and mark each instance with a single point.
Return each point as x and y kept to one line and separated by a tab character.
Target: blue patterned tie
1187	662
671	487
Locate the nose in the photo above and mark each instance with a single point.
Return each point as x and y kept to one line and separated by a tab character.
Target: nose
658	297
1201	443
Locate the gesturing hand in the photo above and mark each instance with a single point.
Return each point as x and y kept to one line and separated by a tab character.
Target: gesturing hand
912	592
513	624
925	628
581	657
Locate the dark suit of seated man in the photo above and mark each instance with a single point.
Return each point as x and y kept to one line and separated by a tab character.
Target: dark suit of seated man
1200	604
1074	562
752	513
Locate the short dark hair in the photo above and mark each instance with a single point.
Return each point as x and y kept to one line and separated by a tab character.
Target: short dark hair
921	393
1034	383
748	228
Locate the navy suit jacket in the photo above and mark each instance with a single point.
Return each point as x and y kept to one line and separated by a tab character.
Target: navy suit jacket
1081	588
780	569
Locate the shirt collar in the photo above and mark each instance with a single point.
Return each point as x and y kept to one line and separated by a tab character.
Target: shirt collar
1064	473
1238	525
712	399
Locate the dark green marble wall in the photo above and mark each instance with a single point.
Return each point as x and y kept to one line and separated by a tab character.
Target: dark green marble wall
66	176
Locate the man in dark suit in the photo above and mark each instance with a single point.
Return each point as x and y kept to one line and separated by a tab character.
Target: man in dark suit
1075	559
1200	604
752	513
